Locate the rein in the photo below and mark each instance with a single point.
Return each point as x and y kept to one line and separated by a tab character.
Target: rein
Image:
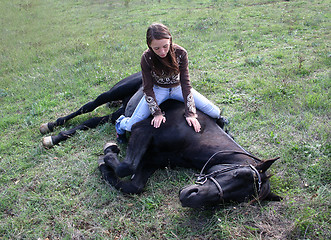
202	178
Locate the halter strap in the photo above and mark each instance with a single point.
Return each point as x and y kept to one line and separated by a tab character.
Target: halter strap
259	178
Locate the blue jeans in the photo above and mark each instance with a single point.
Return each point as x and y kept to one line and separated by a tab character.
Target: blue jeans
162	94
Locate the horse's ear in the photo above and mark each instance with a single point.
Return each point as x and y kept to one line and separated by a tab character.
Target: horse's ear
262	167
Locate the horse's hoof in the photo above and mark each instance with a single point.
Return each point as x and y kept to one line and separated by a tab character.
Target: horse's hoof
44	128
113	146
108	144
47	142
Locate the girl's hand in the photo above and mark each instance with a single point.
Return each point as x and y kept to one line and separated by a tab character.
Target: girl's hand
157	120
192	121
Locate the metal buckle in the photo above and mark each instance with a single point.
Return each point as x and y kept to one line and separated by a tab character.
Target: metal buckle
201	180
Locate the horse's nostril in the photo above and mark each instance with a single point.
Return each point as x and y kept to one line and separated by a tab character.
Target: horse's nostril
192	192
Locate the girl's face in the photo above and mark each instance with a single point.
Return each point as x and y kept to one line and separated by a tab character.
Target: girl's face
161	47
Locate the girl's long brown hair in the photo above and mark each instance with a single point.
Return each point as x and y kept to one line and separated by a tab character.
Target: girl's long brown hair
167	65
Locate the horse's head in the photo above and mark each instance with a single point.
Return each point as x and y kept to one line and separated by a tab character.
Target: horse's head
230	182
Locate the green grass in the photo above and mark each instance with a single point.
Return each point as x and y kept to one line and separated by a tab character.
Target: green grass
267	63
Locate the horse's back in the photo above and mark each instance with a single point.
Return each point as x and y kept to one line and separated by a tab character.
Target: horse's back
131	83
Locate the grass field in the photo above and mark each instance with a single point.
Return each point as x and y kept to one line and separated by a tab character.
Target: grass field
265	62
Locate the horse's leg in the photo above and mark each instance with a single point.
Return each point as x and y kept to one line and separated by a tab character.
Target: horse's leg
124	89
112	166
88	107
50	141
137	147
133	186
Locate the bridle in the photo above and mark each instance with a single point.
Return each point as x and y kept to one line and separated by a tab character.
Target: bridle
203	178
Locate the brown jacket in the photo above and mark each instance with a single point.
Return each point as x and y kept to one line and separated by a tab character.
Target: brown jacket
150	78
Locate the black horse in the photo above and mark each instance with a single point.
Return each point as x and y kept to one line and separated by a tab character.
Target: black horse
228	172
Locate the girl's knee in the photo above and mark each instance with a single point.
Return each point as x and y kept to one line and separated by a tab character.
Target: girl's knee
211	110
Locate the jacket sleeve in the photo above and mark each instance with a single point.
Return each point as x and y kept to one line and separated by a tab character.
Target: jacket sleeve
148	86
190	109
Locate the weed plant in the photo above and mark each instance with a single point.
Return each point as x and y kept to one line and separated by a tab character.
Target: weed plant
265	62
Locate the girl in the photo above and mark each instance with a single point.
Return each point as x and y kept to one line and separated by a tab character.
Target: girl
165	76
